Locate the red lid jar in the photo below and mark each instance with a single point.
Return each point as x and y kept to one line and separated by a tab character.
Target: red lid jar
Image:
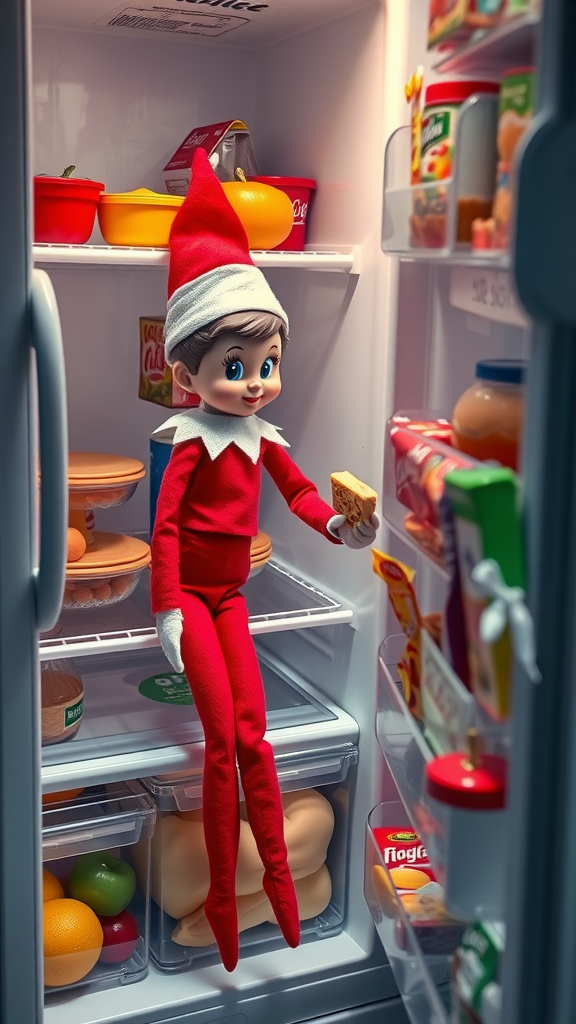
453	780
442	101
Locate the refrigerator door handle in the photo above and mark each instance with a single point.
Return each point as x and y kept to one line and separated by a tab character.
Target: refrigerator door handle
53	431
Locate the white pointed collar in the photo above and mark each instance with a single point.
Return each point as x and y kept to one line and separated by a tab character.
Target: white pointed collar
217	432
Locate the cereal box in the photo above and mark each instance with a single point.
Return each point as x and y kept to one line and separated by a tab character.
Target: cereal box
156	383
228	145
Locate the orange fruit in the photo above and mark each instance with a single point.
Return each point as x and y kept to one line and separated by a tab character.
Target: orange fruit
73	939
65	794
51	888
265	212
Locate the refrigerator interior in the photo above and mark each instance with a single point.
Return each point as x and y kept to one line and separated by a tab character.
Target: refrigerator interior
319	89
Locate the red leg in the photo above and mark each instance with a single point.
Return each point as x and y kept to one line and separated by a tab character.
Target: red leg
256	762
207	674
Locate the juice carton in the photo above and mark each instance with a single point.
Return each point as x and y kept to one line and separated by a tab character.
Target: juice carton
485	510
228	145
156	381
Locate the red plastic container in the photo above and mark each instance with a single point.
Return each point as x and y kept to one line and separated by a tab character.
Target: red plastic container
299	191
64	209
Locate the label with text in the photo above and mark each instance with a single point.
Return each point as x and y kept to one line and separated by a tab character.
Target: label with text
488	293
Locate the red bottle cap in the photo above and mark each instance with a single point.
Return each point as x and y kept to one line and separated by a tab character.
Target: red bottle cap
453	780
456	92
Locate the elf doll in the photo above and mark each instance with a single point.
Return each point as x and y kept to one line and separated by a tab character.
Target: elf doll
224	337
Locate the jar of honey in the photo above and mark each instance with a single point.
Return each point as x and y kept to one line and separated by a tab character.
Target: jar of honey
488	418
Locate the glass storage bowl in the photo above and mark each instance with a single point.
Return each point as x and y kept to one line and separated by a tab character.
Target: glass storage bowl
100	591
83	497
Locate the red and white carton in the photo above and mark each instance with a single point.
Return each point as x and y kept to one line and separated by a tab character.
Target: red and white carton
401	847
227	143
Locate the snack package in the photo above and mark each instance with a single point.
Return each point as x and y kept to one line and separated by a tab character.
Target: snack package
476	992
409	879
228	145
156	381
398	578
421	463
413	93
448	709
484	504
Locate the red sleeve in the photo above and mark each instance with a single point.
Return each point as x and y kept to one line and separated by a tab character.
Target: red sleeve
300	493
165	579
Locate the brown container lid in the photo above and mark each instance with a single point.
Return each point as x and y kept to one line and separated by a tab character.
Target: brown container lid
112	553
97	468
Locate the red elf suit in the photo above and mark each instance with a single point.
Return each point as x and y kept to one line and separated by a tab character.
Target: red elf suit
206	515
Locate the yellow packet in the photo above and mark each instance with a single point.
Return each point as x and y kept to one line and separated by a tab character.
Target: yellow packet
398	578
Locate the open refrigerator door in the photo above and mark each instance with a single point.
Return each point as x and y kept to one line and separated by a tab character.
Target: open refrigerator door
475	708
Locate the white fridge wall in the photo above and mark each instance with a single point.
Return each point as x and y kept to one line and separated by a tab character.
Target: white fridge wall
317	106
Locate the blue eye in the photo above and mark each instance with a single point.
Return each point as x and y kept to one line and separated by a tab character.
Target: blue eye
266	368
235	370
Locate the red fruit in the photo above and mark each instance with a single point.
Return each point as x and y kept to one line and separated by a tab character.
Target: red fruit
120	937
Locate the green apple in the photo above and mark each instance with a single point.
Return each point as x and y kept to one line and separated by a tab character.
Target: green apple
104	882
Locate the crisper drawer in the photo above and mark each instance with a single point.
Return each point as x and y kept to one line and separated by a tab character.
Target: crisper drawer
419	956
316	795
96	909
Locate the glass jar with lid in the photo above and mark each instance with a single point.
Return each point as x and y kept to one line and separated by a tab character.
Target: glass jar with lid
62	696
488	418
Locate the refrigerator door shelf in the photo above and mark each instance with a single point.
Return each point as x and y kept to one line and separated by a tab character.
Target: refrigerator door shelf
343	260
489	54
420	221
277	600
139	720
407	752
422	978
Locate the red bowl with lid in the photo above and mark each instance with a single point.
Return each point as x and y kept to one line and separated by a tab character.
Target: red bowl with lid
299	192
65	209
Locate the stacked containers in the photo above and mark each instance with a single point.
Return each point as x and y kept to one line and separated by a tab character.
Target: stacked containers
96	912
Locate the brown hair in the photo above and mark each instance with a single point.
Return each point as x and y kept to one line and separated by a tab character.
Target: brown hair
251	324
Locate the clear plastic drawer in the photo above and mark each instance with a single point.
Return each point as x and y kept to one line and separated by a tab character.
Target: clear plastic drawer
96	904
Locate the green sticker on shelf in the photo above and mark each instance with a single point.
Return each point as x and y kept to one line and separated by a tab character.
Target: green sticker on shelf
169	688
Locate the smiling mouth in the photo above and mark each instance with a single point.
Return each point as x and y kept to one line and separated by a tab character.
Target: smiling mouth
252	401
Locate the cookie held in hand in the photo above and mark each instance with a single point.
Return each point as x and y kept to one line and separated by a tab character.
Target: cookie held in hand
352	498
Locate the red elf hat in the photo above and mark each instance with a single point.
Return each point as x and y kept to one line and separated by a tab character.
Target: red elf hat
211	272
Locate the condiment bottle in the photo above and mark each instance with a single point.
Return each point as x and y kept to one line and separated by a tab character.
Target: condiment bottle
62	696
466	799
488	418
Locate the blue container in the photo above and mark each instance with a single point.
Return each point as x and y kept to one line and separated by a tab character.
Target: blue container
160	452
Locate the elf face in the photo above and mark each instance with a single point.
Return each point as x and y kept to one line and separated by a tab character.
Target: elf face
237	376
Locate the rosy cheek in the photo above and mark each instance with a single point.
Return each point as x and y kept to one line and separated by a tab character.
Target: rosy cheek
224	388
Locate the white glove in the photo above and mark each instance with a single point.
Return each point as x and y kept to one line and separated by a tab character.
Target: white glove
169	626
361	535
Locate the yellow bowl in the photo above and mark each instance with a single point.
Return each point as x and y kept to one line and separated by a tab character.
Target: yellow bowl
139	218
